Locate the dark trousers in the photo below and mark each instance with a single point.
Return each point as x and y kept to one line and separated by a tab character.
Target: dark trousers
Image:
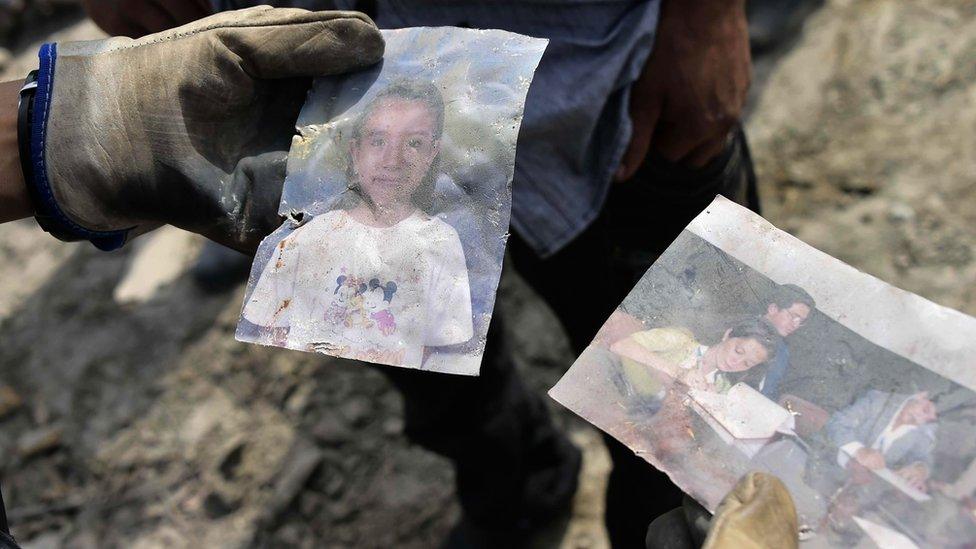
514	468
6	540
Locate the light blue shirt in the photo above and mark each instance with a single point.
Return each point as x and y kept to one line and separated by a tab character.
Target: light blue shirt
576	124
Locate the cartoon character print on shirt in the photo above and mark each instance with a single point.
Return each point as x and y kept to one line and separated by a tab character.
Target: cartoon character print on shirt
376	303
347	299
356	303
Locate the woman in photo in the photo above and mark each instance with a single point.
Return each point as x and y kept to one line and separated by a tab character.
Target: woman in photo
379	277
677	353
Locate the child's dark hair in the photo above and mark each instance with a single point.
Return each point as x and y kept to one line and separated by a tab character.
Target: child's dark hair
422	92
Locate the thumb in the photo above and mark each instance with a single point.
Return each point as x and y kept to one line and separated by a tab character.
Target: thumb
644	117
249	201
757	514
289	42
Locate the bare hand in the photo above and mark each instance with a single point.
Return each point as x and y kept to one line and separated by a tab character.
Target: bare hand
916	474
694	85
870	458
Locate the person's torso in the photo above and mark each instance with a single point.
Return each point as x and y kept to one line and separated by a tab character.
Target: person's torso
362	292
676	346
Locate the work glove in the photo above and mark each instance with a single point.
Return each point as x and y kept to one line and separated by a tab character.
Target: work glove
757	514
189	127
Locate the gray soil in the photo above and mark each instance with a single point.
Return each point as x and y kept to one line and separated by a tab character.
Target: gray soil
130	417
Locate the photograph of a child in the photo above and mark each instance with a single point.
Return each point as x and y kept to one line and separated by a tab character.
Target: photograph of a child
397	202
711	369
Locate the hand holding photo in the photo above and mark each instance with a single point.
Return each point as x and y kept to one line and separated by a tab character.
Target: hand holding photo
743	349
397	203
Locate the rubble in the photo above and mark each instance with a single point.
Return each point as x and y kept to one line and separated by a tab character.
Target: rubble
863	142
10	401
39	441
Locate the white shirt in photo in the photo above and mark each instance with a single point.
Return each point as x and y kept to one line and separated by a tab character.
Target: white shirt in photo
379	294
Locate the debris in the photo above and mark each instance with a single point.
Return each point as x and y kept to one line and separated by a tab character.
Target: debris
357	411
300	398
331	431
39	441
10	400
393	426
302	460
21	514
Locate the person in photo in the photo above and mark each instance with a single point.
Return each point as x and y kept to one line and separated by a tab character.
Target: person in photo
786	312
678	354
378	277
879	432
882	430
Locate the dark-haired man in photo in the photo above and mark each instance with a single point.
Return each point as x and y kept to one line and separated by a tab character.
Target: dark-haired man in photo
786	312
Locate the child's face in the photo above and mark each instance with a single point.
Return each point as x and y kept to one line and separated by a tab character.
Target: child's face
394	150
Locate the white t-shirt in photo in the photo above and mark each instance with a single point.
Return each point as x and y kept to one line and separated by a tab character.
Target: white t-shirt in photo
379	294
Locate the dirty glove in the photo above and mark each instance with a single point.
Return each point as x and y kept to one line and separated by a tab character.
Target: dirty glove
189	127
757	514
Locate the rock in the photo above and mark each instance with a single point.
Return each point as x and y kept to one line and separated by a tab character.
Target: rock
5	58
335	485
357	411
899	212
85	539
393	426
301	462
299	398
215	506
40	412
309	504
290	535
39	441
10	401
50	540
331	431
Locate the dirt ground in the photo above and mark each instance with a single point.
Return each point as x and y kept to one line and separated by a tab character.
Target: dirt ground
130	417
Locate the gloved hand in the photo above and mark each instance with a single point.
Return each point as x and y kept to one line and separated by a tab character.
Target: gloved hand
189	127
757	514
